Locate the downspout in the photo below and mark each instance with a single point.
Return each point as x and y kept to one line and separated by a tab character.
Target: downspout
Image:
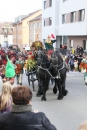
28	34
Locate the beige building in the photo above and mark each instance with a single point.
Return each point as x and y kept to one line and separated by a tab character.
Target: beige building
35	28
21	35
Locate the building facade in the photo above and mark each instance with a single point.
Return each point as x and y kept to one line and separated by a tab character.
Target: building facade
6	34
17	33
66	20
21	35
35	28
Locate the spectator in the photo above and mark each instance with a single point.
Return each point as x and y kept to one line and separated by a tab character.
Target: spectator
6	98
22	114
78	49
79	61
71	62
83	126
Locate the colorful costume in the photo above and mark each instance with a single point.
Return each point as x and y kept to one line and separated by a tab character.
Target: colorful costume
19	71
49	44
9	72
37	44
84	66
31	62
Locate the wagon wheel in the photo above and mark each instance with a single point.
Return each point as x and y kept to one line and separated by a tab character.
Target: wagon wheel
29	79
32	79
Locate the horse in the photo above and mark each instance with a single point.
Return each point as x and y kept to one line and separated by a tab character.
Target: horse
58	70
42	73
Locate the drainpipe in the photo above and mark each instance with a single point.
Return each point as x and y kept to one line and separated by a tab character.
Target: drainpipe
28	35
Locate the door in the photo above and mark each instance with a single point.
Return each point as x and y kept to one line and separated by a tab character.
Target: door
84	44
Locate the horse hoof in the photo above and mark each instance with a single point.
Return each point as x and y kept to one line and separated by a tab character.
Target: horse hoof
85	83
43	99
60	97
41	93
65	92
38	95
54	90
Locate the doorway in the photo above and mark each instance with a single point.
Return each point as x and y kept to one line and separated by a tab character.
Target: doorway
84	44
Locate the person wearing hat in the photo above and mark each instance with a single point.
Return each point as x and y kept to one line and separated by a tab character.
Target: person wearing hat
49	44
37	44
19	70
9	72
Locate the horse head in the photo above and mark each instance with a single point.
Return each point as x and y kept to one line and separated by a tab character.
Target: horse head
42	59
56	59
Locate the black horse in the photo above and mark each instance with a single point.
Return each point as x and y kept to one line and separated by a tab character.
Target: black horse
53	68
58	71
42	73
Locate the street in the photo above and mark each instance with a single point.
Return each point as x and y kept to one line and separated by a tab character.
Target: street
68	113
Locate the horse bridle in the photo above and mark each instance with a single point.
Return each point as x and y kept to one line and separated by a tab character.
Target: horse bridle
41	59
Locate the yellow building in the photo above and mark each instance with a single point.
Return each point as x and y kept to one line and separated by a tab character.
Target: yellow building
21	34
26	26
35	28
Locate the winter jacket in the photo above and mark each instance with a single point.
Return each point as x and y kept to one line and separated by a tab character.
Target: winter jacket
22	118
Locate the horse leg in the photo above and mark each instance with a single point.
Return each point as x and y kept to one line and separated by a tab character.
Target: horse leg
45	88
60	96
64	91
40	89
55	88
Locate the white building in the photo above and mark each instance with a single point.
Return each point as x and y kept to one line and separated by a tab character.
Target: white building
67	20
6	36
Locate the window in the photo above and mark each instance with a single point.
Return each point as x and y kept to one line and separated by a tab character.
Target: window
71	43
30	36
50	21
44	22
35	25
82	15
73	16
50	3
30	26
44	4
39	24
63	18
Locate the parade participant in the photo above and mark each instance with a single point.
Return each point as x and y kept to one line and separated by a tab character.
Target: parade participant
9	72
49	44
37	44
19	70
83	65
31	63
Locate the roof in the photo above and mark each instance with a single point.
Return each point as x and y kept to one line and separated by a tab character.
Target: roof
15	23
6	26
9	31
39	17
31	14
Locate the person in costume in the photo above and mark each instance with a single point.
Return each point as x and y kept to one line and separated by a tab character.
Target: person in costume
19	70
9	72
83	66
37	44
31	62
49	44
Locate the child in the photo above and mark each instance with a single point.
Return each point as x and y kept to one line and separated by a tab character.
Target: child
6	98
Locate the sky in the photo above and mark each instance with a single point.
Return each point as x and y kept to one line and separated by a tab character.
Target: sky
9	9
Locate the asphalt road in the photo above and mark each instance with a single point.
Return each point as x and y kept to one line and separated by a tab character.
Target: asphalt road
68	113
